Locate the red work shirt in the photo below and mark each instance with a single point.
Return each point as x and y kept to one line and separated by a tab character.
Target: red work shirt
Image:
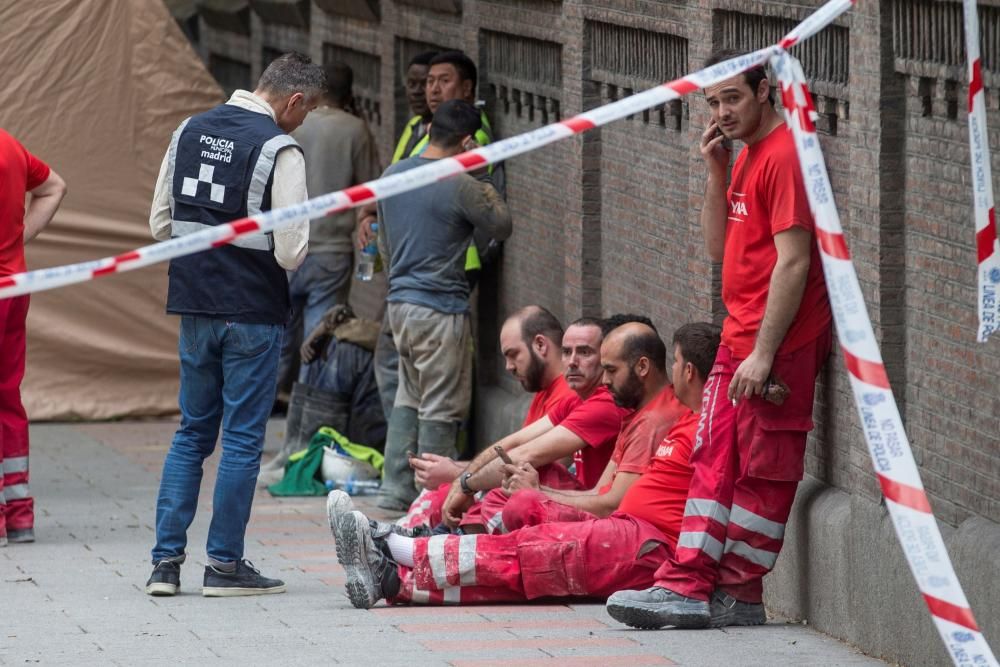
643	431
545	400
766	197
597	421
660	494
20	172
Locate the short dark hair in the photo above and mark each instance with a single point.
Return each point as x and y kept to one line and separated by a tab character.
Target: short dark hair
463	65
340	80
699	342
452	121
537	320
588	322
646	344
752	76
292	73
423	58
614	321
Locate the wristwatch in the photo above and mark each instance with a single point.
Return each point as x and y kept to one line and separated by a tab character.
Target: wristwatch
463	481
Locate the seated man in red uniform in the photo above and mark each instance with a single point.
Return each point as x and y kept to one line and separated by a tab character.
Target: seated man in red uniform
581	556
530	341
634	361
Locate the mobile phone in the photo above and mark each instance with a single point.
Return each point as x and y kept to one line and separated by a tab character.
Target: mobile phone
502	454
727	143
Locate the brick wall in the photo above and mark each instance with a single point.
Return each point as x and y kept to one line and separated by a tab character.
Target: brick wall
608	222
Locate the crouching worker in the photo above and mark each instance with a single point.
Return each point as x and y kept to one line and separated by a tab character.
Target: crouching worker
337	389
581	556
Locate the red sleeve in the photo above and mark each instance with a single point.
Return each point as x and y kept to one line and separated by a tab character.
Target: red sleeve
37	173
637	446
784	189
595	422
563	409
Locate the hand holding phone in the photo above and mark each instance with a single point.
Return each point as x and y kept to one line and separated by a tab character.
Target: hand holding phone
502	454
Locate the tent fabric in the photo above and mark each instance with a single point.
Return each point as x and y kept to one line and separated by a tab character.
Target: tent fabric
95	88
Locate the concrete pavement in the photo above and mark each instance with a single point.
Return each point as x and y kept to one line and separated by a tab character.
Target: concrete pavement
76	595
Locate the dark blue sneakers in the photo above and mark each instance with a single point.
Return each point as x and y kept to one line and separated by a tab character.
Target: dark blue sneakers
244	580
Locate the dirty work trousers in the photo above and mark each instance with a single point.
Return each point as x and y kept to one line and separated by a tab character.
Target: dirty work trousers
584	557
747	461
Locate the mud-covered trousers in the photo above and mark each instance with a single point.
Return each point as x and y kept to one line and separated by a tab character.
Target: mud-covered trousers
578	556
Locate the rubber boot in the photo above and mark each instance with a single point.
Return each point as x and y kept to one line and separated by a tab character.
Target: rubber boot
441	438
398	489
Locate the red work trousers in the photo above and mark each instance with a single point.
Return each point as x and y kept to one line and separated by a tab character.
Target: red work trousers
16	504
527	507
747	461
587	557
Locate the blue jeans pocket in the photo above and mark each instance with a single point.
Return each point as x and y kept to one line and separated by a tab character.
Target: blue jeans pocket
252	339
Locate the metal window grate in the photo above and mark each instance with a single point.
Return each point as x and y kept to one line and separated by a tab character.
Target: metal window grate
934	32
625	60
522	74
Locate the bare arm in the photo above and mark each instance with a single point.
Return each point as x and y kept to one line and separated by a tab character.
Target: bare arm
715	207
553	445
603	504
788	283
45	200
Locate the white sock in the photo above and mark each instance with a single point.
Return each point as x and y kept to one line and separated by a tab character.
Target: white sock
401	549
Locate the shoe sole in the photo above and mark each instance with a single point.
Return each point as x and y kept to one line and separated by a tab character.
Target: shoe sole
650	618
338	504
234	592
161	589
350	536
20	539
736	620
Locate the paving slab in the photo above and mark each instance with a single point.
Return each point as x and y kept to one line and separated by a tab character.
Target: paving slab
76	595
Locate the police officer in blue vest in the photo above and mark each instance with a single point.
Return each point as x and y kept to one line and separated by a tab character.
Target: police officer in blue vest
233	161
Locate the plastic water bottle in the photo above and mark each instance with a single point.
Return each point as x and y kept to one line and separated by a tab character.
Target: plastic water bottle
358	487
366	262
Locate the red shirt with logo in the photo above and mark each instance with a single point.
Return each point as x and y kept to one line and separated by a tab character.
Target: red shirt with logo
643	431
547	399
766	197
597	421
660	494
20	172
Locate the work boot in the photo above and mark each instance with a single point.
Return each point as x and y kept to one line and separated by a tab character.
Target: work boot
244	580
398	489
20	535
658	607
371	572
165	579
727	610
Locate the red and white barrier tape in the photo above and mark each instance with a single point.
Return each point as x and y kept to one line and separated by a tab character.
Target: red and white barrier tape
987	247
45	279
892	458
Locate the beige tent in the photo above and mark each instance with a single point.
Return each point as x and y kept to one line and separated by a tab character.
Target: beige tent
94	88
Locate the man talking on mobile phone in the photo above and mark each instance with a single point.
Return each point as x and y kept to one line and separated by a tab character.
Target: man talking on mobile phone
749	449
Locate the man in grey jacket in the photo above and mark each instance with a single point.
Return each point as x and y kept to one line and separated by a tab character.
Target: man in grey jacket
426	233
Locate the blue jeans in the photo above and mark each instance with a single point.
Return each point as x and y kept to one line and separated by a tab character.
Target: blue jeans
228	371
317	286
